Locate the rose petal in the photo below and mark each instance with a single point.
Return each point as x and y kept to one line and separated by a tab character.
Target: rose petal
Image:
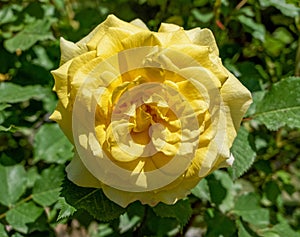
79	174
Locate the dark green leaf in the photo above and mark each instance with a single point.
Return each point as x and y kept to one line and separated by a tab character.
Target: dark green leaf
216	189
272	191
92	200
181	211
51	145
136	209
243	153
249	75
281	105
162	226
12	183
46	189
218	224
22	215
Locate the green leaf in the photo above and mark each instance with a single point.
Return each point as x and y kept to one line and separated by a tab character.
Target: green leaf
104	229
4	106
283	35
287	9
12	183
92	200
201	191
247	206
202	17
22	215
42	57
47	188
243	153
7	15
32	176
127	223
17	235
256	97
36	31
181	211
258	30
2	231
242	232
282	229
227	183
66	210
281	105
11	128
51	145
13	93
3	115
273	46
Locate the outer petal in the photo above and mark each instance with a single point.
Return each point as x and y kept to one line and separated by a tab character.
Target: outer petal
174	37
237	100
168	196
78	174
145	38
203	37
61	83
205	57
110	43
138	22
64	118
167	27
69	50
93	38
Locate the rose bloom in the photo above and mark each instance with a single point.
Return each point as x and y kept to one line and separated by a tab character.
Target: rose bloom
149	113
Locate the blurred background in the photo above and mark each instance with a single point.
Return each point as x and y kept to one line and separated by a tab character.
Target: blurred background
258	42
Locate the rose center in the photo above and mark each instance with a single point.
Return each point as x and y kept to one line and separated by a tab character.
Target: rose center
145	117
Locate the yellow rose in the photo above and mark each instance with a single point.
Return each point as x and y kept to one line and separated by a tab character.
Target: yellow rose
149	113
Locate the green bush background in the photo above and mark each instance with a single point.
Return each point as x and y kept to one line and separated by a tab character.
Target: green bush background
258	196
